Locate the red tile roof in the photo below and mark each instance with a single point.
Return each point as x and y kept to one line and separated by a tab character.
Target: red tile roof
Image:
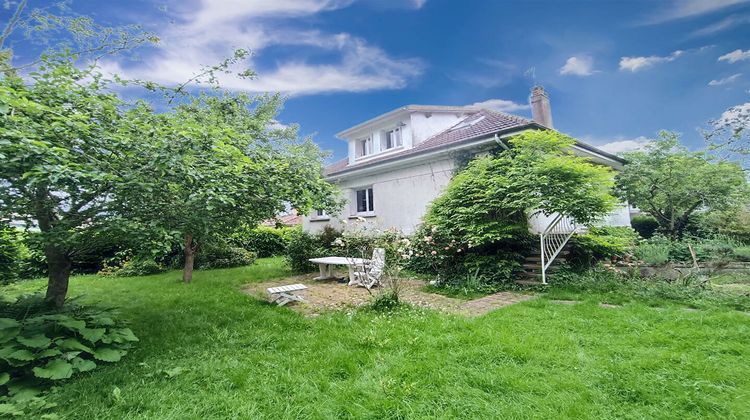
481	123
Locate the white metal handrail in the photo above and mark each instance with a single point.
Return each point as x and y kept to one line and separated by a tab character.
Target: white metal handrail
553	239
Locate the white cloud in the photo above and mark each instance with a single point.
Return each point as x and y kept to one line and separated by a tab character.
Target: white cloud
722	25
579	66
502	105
725	80
635	64
622	146
207	34
735	56
418	3
680	9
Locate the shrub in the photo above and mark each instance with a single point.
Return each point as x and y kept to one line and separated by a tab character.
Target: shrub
223	257
612	285
456	265
41	348
10	254
126	265
602	243
653	253
720	248
301	247
742	253
645	225
386	301
264	241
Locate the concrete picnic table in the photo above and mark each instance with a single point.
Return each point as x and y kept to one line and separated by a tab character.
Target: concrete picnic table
325	263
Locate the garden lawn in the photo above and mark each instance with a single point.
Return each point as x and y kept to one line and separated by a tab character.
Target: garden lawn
209	351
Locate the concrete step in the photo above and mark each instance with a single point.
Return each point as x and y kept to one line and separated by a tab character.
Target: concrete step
530	283
538	267
539	259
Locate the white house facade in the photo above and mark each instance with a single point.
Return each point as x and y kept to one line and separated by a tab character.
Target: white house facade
399	162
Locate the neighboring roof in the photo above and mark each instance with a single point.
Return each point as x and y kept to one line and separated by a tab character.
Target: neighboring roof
289	219
409	108
480	124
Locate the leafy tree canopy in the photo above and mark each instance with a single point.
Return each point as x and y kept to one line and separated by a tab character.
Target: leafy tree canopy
671	183
218	164
489	200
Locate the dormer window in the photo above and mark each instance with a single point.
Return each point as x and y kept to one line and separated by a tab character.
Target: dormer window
364	146
391	139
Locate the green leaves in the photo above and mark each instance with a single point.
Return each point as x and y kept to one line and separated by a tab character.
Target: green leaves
671	183
83	365
55	369
488	202
108	354
53	347
38	341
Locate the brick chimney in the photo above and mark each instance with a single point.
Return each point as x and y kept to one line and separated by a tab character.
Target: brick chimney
540	109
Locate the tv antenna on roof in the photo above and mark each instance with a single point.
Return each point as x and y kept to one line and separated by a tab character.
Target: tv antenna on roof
531	74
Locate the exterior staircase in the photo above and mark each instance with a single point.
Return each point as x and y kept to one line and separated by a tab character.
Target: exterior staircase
553	244
532	267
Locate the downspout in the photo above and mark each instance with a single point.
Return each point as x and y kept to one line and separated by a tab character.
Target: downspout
501	143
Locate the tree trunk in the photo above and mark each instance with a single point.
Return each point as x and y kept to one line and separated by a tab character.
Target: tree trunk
58	268
187	270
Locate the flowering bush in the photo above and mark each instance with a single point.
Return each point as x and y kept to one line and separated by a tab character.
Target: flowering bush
436	252
360	241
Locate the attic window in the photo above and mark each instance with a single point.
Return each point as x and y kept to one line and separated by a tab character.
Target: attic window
465	124
363	147
391	139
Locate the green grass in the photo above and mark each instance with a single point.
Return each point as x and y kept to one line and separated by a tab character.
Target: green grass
242	358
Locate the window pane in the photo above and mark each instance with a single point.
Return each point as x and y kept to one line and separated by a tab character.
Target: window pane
361	201
369	200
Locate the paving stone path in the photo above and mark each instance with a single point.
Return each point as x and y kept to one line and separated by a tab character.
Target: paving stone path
489	303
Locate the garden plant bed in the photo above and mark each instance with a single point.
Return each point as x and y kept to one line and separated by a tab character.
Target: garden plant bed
330	295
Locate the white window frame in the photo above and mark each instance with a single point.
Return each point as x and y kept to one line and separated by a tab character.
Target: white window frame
395	135
319	214
363	147
369	201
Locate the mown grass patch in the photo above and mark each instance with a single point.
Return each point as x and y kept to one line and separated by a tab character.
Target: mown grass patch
209	351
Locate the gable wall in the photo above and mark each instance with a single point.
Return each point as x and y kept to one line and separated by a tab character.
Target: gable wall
401	197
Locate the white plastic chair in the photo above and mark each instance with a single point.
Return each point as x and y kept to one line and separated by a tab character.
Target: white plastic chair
369	275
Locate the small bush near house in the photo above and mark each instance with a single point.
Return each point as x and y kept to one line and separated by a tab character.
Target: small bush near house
602	243
645	225
41	348
301	247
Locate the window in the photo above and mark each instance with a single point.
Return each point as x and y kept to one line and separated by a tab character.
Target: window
364	147
320	213
391	139
365	201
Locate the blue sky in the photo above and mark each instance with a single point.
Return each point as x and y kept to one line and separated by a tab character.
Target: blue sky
616	71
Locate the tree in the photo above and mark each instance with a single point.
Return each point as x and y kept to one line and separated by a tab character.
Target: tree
217	165
62	160
730	134
489	200
671	183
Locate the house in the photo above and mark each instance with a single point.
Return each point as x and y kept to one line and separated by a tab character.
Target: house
400	161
